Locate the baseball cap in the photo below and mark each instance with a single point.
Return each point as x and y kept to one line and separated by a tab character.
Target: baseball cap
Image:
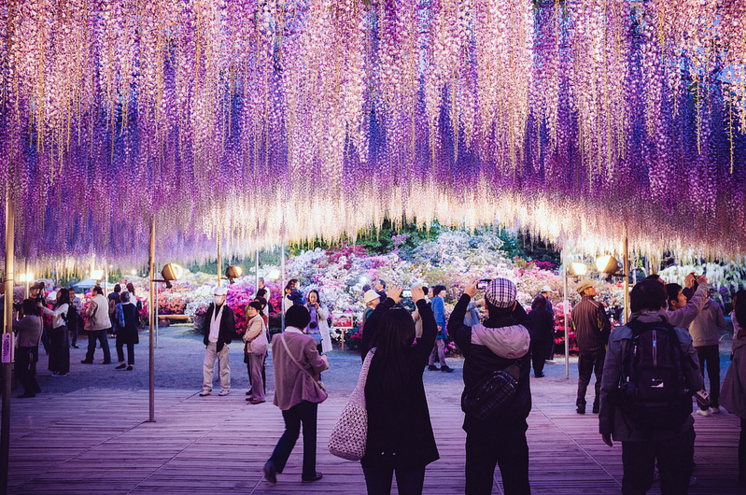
583	286
220	291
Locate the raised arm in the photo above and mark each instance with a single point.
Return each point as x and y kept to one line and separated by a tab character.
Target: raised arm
371	324
459	332
429	327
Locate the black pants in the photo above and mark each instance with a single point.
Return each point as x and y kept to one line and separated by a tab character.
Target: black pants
130	351
59	350
709	356
550	348
742	453
378	480
538	355
639	459
589	363
507	449
24	370
99	335
305	413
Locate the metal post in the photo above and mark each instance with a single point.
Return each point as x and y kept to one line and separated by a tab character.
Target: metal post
10	220
220	267
282	287
152	322
106	279
256	269
565	304
26	276
626	275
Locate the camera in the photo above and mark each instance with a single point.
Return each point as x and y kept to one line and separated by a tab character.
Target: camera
406	293
482	284
313	324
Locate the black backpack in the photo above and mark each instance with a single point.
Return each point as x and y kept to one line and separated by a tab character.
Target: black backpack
653	393
71	318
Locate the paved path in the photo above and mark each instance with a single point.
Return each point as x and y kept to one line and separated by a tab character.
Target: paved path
87	433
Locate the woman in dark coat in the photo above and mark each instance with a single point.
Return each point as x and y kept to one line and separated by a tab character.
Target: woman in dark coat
542	324
126	316
400	435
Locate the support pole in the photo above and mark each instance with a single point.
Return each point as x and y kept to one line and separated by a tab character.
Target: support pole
26	276
152	322
282	287
625	247
565	304
220	263
10	221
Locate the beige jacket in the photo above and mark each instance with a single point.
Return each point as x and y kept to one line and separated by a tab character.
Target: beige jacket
98	314
256	333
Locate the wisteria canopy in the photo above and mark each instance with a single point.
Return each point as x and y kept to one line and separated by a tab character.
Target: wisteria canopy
291	119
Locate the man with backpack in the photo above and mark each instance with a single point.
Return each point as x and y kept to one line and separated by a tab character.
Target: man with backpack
497	349
649	376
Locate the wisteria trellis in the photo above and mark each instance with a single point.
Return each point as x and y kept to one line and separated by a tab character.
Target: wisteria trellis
303	118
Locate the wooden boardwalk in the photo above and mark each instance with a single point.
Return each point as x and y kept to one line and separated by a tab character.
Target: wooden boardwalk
96	441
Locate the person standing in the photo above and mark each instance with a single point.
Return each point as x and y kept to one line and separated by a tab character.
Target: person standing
372	299
439	348
733	396
542	323
546	291
59	337
75	326
400	435
704	332
97	325
381	289
114	299
297	366
502	342
126	316
133	298
28	335
219	328
255	350
592	329
318	328
642	445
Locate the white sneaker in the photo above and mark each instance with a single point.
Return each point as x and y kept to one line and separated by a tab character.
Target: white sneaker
224	392
703	412
714	410
205	393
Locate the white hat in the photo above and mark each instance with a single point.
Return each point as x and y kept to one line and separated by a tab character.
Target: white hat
546	288
370	296
220	291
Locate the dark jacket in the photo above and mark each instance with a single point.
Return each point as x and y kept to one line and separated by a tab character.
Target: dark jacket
127	331
227	326
542	325
481	361
400	433
591	325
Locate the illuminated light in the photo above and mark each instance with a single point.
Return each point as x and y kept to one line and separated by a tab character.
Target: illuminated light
97	274
578	269
274	274
233	272
607	264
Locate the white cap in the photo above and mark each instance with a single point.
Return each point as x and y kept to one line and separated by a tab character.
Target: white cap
220	291
370	296
546	288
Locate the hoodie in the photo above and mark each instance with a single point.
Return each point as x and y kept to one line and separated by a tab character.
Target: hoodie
494	345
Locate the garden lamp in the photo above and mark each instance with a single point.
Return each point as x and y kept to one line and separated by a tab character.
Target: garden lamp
608	265
578	269
233	272
170	272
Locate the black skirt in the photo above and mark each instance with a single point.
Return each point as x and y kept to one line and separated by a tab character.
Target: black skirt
59	350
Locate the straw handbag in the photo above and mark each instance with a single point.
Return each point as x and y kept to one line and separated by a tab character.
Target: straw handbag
350	434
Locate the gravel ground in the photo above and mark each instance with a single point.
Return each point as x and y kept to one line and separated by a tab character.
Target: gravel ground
180	352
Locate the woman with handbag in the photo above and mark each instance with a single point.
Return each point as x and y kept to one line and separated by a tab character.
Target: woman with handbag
297	393
318	328
255	350
400	435
59	337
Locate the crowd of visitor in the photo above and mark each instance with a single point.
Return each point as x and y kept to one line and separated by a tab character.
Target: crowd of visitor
646	372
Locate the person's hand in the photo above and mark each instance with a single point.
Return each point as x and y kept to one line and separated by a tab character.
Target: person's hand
607	439
417	293
702	279
471	289
394	293
689	280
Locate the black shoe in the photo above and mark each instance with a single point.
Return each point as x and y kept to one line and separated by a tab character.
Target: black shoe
446	369
580	410
26	395
121	367
270	472
540	375
248	393
107	362
85	361
316	477
75	346
432	367
130	367
37	390
595	409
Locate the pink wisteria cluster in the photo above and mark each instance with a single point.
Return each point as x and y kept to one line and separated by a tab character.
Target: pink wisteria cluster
271	120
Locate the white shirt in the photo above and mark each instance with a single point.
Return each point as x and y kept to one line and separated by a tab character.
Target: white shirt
217	315
56	314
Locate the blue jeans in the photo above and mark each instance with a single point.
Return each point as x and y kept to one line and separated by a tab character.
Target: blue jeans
99	335
305	413
378	480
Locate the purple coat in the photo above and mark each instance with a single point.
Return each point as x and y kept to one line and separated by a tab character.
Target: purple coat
292	385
